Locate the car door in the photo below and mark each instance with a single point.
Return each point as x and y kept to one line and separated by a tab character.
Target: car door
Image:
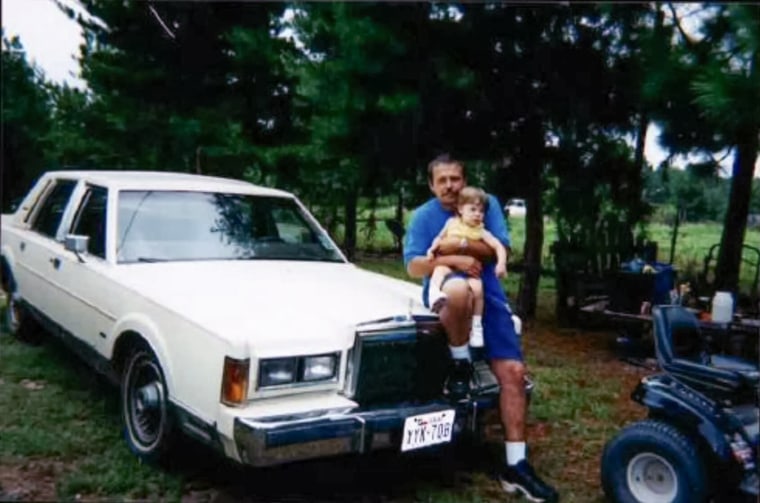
88	307
39	247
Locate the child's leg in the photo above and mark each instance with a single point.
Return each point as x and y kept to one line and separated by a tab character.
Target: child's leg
476	333
436	297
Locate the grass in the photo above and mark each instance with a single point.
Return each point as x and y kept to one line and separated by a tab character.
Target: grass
56	413
60	433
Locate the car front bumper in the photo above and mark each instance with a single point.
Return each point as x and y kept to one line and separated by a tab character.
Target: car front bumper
282	439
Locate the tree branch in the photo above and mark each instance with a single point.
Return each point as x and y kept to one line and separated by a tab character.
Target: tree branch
677	22
161	22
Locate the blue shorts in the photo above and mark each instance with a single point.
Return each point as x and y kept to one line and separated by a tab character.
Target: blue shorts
501	340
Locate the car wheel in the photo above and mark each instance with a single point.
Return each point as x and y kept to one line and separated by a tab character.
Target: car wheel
653	462
19	322
145	407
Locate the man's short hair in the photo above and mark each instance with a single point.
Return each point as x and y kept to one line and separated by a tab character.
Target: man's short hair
444	159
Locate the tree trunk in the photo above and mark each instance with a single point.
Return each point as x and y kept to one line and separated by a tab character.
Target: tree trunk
735	223
534	223
400	217
641	139
349	241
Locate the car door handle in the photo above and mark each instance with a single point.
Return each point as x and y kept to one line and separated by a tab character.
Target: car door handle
22	246
56	262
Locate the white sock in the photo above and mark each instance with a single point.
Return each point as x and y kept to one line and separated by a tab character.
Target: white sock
476	333
460	352
515	452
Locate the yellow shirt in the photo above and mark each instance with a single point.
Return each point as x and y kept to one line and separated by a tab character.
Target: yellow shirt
458	229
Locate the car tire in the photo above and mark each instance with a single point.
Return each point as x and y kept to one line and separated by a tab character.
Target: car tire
18	321
651	462
148	425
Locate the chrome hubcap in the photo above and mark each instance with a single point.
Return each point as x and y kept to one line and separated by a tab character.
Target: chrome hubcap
146	402
13	313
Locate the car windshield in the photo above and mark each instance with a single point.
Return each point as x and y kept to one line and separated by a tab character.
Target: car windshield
160	226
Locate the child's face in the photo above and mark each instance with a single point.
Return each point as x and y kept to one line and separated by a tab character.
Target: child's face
471	213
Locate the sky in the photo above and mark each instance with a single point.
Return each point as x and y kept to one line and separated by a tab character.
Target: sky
52	40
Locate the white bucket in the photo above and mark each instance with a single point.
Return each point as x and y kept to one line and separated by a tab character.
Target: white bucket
722	307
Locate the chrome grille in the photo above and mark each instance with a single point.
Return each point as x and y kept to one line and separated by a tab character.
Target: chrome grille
398	360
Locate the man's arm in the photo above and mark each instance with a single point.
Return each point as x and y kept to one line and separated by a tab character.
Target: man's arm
419	267
479	250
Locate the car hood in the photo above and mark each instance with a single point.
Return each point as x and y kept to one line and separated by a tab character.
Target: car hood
305	307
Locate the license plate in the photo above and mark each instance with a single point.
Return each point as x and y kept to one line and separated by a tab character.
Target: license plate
428	429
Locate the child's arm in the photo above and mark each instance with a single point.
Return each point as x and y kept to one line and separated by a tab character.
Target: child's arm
434	247
501	253
437	241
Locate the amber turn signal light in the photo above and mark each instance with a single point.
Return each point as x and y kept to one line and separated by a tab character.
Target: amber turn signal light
235	381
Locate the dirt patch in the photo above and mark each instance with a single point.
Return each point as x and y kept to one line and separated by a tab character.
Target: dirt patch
30	480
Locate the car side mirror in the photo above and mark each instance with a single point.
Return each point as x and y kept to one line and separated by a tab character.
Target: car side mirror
76	243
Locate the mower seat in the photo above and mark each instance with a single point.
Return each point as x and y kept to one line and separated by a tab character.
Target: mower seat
681	352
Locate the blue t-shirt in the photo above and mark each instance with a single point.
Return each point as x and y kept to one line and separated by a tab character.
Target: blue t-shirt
428	220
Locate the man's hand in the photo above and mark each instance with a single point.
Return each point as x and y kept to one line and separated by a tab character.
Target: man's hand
476	249
465	264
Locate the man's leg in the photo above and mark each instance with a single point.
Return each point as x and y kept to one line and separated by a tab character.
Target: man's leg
436	296
455	317
519	475
511	377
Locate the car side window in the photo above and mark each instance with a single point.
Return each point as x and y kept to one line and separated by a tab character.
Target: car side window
91	220
49	216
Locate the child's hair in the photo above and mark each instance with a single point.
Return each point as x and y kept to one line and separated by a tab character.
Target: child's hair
472	195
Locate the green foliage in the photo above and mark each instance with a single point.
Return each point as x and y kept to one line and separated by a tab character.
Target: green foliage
701	195
25	121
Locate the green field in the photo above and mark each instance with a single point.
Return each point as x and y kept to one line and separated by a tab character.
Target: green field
693	243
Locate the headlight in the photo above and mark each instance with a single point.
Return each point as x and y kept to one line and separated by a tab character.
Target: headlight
277	371
318	368
298	370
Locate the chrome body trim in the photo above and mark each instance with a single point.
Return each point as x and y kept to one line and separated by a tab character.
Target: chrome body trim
282	439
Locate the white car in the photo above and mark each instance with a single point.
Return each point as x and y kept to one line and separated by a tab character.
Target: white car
224	311
515	208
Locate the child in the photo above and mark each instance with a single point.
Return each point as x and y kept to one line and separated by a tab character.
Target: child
468	224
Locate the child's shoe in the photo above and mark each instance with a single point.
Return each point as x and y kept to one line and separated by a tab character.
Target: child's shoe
436	298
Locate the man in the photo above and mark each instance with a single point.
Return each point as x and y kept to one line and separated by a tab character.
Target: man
446	177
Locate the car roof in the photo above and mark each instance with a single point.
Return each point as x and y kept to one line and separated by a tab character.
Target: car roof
166	180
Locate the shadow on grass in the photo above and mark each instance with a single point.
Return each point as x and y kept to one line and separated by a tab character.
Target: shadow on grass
446	475
100	465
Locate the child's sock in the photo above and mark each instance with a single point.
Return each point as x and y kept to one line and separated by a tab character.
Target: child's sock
476	333
515	452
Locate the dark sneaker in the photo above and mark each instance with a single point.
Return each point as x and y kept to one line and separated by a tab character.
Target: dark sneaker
460	375
521	478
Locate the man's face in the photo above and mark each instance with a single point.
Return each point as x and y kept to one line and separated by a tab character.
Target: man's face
446	182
